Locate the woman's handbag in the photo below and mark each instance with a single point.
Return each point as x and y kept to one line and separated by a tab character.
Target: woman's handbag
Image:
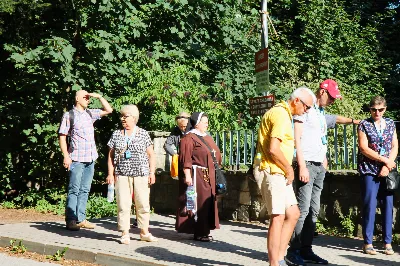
220	179
392	180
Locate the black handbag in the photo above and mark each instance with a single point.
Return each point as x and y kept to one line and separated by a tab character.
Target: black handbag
220	179
392	180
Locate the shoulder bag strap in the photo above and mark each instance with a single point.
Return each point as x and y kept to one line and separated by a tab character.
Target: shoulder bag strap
212	154
89	113
71	119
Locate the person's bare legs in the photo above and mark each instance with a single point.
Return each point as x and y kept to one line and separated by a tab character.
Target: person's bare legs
274	238
291	217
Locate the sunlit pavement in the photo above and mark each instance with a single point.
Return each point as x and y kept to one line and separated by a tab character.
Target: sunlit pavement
234	244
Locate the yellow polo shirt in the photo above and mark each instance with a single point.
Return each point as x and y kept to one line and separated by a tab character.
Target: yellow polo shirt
276	123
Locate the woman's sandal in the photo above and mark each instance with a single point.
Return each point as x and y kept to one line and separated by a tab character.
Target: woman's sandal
203	238
388	250
369	250
125	239
149	238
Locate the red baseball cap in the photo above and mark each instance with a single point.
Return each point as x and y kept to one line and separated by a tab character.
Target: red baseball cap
332	88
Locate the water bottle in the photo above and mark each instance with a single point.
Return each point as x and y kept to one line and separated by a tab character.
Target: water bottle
190	198
110	193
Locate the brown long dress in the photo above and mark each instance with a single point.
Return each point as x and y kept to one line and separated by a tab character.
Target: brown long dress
194	152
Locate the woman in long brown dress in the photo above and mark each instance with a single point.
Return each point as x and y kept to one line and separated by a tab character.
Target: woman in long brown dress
194	152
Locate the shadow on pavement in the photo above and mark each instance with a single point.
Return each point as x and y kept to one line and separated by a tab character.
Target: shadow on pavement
59	229
245	225
230	248
161	230
349	244
372	261
262	234
338	242
163	254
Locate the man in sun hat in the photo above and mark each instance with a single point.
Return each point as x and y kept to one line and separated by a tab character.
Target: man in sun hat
310	164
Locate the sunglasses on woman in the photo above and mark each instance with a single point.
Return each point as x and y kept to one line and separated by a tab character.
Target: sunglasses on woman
380	110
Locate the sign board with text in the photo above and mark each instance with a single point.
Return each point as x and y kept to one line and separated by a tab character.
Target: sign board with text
261	70
259	105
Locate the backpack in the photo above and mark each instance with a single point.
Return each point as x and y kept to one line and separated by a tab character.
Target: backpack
71	124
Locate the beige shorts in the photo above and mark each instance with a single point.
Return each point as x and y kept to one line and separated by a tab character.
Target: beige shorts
276	194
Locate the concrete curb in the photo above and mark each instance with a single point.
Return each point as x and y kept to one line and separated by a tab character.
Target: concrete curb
76	254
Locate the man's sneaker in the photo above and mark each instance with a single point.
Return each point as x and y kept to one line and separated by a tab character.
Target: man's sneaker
293	258
86	224
311	257
72	226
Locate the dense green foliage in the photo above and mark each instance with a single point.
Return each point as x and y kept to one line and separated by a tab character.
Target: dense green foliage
167	56
53	201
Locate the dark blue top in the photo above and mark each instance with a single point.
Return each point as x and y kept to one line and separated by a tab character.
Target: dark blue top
375	142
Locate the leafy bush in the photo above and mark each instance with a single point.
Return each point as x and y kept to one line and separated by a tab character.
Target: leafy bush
98	207
347	223
9	205
53	201
46	207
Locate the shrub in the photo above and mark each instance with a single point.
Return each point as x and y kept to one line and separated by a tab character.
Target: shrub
8	205
98	207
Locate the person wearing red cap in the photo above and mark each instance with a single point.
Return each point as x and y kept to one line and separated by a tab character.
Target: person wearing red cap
310	131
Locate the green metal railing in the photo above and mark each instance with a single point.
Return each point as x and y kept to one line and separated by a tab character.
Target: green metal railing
342	147
239	146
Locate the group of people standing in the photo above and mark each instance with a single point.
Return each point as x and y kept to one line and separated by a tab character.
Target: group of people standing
290	172
290	169
131	167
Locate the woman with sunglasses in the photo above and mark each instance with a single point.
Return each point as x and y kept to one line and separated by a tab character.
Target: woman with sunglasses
378	147
131	165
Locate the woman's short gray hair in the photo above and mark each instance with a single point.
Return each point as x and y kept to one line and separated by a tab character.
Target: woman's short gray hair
377	100
299	93
130	109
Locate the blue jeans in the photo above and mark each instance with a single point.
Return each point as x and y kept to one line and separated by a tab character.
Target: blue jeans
373	189
80	180
308	197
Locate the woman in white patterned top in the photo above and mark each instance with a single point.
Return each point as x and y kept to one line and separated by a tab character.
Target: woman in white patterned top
131	165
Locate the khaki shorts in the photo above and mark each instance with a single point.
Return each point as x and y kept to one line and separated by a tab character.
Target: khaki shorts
277	196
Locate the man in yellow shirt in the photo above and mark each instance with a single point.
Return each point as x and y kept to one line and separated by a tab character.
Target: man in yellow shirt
274	171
